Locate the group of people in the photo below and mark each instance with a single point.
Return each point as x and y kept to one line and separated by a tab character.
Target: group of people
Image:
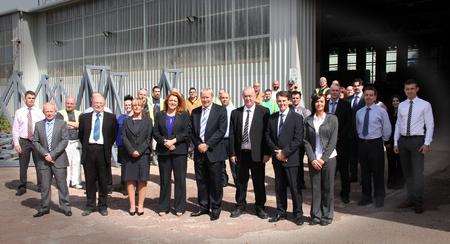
336	135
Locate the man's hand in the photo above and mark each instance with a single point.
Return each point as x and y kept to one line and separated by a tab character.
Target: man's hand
48	158
135	154
18	149
202	148
233	159
396	150
425	149
266	158
316	165
321	162
172	147
280	155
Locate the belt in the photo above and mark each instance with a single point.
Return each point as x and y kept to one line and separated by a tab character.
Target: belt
370	140
26	139
412	136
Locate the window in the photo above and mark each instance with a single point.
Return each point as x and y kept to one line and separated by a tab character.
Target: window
370	63
351	60
391	59
413	55
333	61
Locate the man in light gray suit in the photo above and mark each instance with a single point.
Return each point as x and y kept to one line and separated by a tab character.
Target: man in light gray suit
50	140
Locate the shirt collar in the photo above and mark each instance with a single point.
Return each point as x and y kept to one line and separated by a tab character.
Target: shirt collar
414	100
285	112
252	108
336	101
207	108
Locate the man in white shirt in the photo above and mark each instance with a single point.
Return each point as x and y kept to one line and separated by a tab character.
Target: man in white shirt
412	139
225	100
23	128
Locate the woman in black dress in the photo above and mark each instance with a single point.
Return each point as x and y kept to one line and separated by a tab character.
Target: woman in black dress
395	174
137	137
171	132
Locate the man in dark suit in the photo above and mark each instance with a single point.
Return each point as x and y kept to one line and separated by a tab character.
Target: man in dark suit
209	124
248	151
50	140
284	135
357	102
97	133
341	108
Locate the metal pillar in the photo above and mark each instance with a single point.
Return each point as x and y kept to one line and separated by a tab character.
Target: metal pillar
165	83
87	86
13	89
110	92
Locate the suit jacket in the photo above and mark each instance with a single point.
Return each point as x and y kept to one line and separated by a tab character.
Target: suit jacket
60	139
361	103
343	113
108	132
290	139
137	137
328	133
256	133
181	131
216	127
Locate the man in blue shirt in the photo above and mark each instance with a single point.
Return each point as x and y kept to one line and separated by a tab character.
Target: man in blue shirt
119	143
373	126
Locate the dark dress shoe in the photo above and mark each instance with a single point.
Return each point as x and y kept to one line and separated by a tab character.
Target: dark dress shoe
379	203
314	222
21	191
345	199
299	220
87	212
103	212
324	222
199	213
418	209
405	204
236	213
68	213
41	213
364	202
214	216
262	214
277	217
131	213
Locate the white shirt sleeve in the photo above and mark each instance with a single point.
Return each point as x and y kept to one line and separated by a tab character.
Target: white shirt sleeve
429	124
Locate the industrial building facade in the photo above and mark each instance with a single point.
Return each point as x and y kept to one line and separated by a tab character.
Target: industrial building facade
225	44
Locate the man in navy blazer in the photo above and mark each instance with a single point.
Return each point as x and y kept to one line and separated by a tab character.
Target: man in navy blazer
209	125
284	135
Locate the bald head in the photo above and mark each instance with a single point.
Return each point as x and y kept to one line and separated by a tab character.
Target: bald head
224	98
98	102
335	91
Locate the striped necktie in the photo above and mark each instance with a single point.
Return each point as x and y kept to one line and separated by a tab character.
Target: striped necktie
49	132
203	121
408	125
245	138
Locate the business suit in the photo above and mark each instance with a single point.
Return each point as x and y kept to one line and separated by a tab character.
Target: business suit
249	159
175	160
322	182
96	158
354	140
289	141
209	165
343	113
56	149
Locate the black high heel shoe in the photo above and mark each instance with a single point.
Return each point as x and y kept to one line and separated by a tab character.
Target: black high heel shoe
140	213
132	213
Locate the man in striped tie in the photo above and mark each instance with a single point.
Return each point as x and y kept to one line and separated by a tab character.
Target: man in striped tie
50	140
249	152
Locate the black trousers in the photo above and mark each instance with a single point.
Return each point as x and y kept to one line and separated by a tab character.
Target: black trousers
343	167
24	161
395	173
371	157
96	171
412	165
233	167
244	165
209	183
284	177
354	158
178	165
301	170
322	184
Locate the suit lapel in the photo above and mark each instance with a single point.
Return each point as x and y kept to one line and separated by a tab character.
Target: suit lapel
44	132
89	125
211	115
239	122
55	130
197	117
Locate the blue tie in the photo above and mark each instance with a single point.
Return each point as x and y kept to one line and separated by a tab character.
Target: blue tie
365	130
355	101
203	122
97	127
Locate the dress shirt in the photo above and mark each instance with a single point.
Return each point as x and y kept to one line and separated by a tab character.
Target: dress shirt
248	145
91	136
356	95
204	115
274	95
285	113
319	150
379	124
330	105
304	112
229	108
20	124
422	121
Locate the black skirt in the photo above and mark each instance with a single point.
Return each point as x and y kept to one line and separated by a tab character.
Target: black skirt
137	169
